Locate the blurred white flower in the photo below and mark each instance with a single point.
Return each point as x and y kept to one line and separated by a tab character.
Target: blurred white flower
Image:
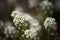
36	28
45	4
9	28
35	25
26	32
50	22
17	11
14	13
33	3
30	33
28	17
34	22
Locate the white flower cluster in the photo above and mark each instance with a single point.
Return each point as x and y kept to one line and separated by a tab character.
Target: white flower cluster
45	4
9	29
18	19
32	32
50	22
34	27
22	17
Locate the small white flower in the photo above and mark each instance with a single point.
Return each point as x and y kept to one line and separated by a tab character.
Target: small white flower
49	22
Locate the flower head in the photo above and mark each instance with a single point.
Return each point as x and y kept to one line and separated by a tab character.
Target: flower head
30	33
49	22
34	26
18	19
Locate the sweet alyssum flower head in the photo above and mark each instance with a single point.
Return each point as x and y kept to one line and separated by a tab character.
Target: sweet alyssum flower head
18	19
30	33
21	17
50	22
